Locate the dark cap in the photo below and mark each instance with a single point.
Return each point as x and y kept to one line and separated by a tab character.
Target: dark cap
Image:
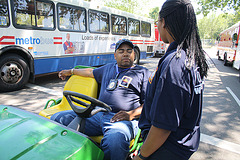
123	41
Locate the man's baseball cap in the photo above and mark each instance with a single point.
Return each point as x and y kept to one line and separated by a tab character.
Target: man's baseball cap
123	41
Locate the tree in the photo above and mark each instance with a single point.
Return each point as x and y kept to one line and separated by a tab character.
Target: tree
218	24
154	13
224	5
131	6
124	5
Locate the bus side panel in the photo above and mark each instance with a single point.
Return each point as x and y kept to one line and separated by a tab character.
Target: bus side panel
49	65
236	63
144	55
93	60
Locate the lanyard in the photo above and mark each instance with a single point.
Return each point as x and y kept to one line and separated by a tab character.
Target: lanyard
118	72
114	82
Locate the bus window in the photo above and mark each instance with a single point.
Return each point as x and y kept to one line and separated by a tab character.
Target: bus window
119	24
145	29
44	14
29	15
71	18
4	18
133	27
98	22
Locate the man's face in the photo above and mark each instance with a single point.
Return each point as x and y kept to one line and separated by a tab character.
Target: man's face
124	56
68	37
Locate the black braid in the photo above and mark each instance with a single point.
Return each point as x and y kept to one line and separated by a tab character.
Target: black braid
180	21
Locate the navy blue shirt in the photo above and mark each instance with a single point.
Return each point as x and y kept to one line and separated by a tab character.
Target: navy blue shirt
174	102
131	89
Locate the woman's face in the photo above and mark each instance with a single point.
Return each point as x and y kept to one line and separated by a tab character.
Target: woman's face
162	30
164	34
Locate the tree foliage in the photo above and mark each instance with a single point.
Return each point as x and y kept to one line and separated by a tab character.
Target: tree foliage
211	26
131	6
225	5
124	5
154	13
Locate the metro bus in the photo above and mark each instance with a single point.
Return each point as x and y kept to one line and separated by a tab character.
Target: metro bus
228	48
38	37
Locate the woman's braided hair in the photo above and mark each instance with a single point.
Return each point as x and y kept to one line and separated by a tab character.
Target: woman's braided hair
180	21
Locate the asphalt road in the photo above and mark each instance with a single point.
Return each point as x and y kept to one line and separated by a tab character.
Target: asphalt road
220	126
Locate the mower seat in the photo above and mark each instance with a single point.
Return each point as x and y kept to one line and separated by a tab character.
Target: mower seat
85	85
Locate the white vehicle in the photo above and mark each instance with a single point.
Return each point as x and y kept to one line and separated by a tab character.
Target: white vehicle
45	36
228	49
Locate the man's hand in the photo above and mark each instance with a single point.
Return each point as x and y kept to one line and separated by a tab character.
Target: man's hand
137	158
87	72
72	49
64	73
121	116
127	116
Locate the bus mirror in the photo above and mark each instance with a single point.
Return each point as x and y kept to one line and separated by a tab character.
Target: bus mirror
218	38
234	37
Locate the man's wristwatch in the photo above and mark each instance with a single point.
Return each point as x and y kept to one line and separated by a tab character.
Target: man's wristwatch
140	156
72	71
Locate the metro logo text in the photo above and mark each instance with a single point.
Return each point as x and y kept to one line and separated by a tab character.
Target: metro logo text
32	40
28	40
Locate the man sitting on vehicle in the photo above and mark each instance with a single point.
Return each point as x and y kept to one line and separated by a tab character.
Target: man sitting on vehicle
123	87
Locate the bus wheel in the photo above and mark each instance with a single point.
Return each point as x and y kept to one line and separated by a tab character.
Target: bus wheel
219	58
137	56
14	72
225	62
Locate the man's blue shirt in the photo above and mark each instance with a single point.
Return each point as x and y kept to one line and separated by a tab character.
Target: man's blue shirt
123	97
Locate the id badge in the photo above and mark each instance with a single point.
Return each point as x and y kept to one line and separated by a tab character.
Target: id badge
112	84
125	81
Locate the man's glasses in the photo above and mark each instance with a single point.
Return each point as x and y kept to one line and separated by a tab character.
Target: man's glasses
122	50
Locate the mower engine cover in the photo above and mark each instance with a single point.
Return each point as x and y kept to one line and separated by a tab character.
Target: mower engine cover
25	135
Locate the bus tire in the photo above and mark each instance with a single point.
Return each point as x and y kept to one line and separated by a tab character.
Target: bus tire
137	56
219	58
225	62
14	72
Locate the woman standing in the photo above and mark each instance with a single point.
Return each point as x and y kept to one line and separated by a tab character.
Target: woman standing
170	119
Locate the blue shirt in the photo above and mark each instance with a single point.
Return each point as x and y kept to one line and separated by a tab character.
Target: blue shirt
174	102
131	94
